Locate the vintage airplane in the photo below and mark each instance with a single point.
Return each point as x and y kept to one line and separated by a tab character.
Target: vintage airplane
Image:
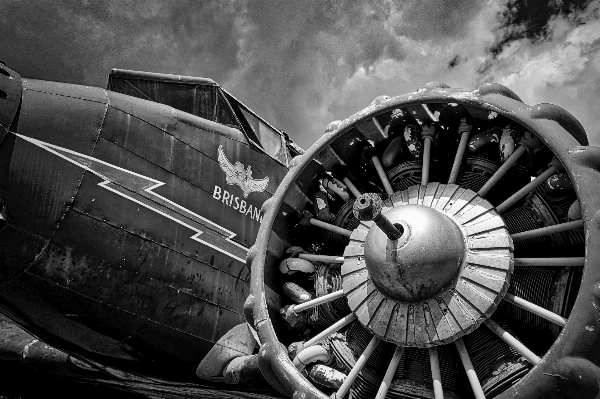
126	222
435	244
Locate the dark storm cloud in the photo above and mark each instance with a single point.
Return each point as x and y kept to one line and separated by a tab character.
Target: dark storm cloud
300	64
454	61
300	51
550	53
530	19
284	59
79	42
305	52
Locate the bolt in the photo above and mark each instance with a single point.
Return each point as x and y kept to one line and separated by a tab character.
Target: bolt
368	207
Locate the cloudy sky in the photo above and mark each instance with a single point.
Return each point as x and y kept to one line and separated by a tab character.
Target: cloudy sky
301	64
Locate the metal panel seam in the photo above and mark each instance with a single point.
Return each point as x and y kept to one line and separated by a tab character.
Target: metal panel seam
176	112
64	95
116	307
157	243
37	256
206	130
167	170
74	195
69	206
119	309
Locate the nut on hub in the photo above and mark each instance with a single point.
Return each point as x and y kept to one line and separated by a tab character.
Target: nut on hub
368	207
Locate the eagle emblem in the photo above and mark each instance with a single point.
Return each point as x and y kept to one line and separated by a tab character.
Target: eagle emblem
235	174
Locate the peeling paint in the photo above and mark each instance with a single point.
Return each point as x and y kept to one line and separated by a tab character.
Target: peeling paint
577	151
463	95
296	293
326	376
413	142
321	203
507	143
556	375
26	348
397	113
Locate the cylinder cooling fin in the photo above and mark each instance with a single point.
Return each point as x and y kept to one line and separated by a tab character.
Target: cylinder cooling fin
449	239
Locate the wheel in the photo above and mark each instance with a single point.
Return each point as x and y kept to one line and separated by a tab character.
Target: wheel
435	244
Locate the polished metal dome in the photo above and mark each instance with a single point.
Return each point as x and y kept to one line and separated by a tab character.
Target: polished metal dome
427	265
423	261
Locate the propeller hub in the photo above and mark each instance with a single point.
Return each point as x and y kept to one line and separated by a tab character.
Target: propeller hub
436	274
423	261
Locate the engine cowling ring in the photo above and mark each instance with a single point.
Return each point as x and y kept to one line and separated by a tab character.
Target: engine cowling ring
570	354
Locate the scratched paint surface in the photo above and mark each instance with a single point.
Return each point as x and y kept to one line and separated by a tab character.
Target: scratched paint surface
26	358
120	246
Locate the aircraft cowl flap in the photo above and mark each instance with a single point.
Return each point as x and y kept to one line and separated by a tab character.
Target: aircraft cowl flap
237	342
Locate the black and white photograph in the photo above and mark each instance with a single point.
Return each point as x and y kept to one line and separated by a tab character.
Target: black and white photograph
310	199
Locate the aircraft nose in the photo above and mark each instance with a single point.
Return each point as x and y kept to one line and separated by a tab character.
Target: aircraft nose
10	96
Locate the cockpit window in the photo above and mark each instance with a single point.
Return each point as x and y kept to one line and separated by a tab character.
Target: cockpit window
270	140
223	113
257	129
204	100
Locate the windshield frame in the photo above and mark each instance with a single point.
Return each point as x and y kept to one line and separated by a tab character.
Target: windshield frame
238	109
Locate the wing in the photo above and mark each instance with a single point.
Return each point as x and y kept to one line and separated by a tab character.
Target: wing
257	185
225	164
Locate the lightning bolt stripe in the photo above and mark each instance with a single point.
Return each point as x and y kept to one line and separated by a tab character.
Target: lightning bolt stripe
129	185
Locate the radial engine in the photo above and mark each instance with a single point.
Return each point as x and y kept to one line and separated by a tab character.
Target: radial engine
434	244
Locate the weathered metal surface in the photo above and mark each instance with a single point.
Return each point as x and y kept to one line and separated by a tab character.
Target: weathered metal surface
496	88
234	343
18	250
176	135
18	346
296	293
293	265
117	73
368	207
24	358
89	233
563	117
25	302
68	111
326	376
69	271
431	259
151	216
10	98
191	177
125	237
40	187
400	268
